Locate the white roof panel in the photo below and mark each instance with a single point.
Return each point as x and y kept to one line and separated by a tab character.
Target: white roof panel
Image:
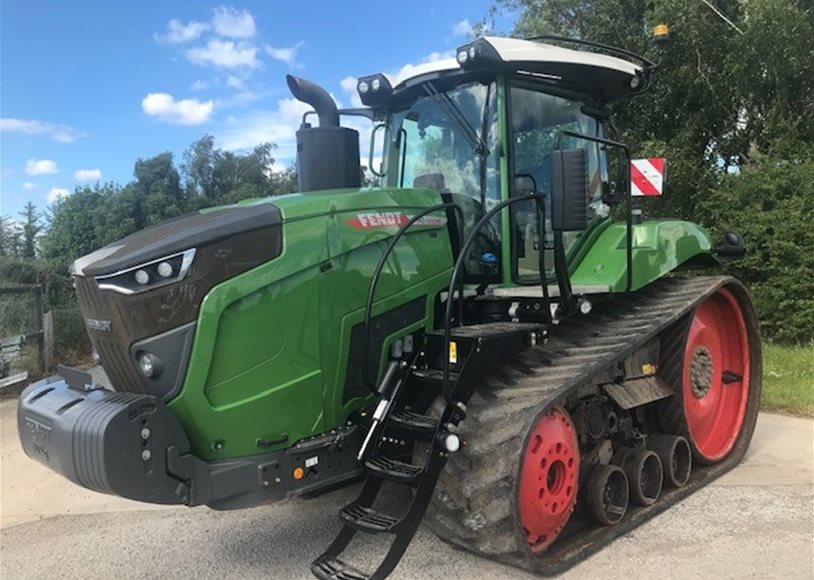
588	71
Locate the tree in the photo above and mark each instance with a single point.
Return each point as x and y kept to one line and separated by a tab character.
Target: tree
770	203
158	187
72	231
214	176
31	229
9	237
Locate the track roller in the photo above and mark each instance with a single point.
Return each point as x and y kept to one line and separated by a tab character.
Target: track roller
676	457
607	494
644	474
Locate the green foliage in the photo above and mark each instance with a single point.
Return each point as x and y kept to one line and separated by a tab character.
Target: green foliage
771	204
17	312
788	373
31	229
10	242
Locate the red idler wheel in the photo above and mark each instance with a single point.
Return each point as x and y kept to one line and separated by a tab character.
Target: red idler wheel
548	478
715	378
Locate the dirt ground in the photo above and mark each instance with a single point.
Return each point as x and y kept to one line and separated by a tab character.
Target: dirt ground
757	521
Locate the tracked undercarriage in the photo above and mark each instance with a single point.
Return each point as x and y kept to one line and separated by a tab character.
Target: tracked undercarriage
573	378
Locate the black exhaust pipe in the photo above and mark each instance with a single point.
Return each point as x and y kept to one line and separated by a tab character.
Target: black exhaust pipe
317	97
328	155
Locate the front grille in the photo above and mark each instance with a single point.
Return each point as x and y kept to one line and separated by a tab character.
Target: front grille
112	346
120	370
88	294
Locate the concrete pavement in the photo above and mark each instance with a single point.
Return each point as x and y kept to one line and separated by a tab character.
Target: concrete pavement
758	520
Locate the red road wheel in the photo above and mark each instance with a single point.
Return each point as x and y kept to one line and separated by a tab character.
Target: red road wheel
548	478
715	378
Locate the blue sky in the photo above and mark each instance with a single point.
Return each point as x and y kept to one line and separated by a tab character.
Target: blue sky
87	87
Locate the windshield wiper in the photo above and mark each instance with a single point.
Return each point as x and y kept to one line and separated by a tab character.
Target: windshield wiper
453	111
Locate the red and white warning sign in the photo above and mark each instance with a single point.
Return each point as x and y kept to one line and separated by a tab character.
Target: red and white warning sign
647	176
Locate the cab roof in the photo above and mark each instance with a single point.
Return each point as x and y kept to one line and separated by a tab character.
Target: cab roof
590	73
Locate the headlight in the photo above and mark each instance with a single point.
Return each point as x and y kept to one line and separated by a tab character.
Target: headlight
374	89
149	275
149	365
478	54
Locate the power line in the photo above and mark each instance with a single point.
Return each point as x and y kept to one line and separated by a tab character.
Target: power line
722	15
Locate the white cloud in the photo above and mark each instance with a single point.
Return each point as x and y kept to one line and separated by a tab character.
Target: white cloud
57	194
178	32
233	23
88	175
198	85
348	85
286	55
239	99
224	54
462	28
182	112
408	69
279	126
29	185
59	132
235	83
276	126
41	167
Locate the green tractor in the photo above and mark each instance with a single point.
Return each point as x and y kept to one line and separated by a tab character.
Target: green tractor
495	327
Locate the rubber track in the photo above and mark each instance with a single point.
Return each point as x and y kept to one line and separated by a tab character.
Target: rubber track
474	506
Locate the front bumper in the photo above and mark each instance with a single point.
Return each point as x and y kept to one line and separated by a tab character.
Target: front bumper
132	445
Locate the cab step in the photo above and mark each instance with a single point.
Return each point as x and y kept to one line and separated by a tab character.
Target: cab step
405	420
393	469
367	519
329	568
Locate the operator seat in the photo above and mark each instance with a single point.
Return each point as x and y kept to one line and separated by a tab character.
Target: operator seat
431	181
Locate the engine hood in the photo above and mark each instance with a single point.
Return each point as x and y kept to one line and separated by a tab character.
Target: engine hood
188	231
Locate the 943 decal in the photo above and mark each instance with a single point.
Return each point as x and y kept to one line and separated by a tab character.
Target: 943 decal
389	219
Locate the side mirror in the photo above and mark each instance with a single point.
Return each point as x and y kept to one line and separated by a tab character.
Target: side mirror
569	190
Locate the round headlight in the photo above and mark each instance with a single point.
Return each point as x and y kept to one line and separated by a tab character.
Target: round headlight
635	81
376	84
471	52
149	365
363	87
165	269
462	57
142	277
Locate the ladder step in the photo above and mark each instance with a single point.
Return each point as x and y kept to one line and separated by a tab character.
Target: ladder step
413	422
392	469
330	568
367	519
435	375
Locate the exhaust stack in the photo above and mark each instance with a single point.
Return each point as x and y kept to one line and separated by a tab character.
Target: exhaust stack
328	155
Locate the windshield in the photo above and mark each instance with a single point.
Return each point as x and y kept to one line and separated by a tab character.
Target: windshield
448	141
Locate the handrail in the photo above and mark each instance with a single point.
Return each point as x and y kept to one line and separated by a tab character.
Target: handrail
374	281
456	271
612	50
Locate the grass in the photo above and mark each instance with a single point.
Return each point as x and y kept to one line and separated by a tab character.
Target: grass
788	379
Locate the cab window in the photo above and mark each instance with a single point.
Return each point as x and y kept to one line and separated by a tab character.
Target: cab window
536	119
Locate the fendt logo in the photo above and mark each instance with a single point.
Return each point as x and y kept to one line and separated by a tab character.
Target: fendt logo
389	219
98	325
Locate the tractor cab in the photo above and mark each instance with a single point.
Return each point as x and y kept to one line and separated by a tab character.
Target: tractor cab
481	129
